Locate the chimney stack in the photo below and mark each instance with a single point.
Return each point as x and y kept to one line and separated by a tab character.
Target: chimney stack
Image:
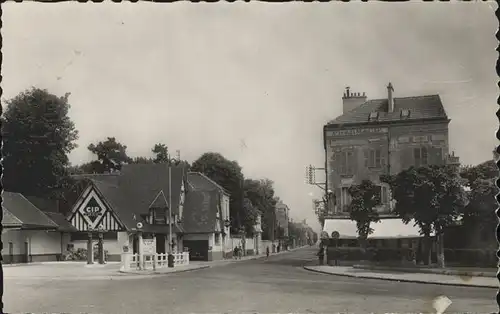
352	100
390	99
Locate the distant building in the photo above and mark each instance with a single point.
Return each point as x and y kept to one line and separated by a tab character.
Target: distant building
382	136
282	214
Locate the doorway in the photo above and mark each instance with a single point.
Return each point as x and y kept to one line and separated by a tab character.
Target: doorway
161	247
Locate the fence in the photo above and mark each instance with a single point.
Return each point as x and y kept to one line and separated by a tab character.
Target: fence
152	261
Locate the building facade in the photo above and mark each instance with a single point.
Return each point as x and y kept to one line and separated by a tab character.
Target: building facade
282	214
382	136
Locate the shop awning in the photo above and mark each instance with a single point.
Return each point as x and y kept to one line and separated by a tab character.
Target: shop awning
386	228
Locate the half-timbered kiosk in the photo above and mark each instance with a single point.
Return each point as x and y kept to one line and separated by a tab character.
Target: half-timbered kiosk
128	212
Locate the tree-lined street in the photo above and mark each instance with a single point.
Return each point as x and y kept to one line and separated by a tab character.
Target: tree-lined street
277	285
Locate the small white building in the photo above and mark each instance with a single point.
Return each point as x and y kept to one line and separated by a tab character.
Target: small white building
30	234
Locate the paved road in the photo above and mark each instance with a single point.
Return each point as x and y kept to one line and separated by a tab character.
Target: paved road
277	285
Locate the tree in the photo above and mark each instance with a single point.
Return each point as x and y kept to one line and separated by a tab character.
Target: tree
365	199
142	160
433	197
38	135
480	211
228	174
111	155
261	194
161	154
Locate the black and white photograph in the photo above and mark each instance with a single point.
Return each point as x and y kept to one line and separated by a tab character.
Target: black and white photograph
249	157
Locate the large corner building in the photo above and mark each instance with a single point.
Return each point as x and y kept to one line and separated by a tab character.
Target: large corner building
381	136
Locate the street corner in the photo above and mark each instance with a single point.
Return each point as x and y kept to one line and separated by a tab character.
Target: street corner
163	271
420	278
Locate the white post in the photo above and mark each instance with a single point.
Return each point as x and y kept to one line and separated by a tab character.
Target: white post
140	251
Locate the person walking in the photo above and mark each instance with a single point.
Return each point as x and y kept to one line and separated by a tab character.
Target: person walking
267	252
235	252
321	255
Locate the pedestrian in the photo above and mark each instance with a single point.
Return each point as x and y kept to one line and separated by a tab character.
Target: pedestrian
267	252
235	252
240	251
321	255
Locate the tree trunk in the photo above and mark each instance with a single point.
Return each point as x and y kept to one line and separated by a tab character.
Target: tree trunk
427	249
440	250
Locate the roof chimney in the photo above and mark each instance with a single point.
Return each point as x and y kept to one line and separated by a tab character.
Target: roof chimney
390	99
352	100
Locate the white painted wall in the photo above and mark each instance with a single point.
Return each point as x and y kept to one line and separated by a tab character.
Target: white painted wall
39	241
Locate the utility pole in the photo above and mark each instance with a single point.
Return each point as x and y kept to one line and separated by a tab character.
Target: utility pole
311	180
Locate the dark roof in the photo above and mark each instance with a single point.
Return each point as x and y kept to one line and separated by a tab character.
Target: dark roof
24	212
201	182
131	192
45	205
420	107
60	220
200	211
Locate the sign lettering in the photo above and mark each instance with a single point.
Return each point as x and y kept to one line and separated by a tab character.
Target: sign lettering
92	210
355	132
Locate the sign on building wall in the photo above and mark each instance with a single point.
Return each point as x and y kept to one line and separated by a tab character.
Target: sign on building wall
93	214
355	132
149	246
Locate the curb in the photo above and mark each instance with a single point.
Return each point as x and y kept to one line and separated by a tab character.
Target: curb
430	271
402	280
154	273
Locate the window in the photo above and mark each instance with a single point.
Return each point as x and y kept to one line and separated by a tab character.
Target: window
159	216
345	199
405	113
420	156
217	239
344	161
384	195
373	158
373	116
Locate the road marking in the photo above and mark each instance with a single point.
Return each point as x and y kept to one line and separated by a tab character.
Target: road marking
441	303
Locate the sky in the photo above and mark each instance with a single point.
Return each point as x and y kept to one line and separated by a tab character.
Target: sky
253	81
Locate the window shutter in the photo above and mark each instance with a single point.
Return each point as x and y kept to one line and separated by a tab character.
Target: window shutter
435	156
366	153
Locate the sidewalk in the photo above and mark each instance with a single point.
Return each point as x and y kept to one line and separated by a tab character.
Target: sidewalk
426	278
195	265
450	271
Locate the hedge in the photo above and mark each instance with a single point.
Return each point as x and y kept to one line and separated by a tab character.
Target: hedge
471	257
455	257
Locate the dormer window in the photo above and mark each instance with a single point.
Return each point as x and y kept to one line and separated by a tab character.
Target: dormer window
405	113
373	116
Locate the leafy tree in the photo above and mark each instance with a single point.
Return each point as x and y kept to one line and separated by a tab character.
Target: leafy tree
111	155
38	135
250	216
365	199
142	160
433	196
229	175
480	211
161	153
261	194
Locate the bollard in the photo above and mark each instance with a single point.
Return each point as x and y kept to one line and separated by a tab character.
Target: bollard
170	260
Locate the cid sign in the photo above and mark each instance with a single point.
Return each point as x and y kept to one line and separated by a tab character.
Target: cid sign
92	210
